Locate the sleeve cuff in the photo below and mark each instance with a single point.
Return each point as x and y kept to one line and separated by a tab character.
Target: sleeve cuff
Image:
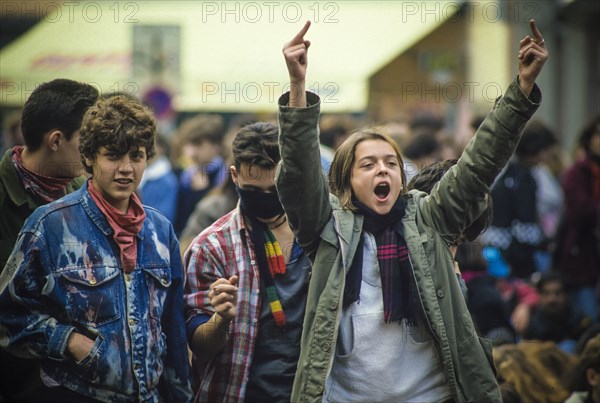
57	345
193	323
312	99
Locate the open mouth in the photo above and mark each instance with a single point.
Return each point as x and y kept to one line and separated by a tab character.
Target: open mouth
382	191
123	181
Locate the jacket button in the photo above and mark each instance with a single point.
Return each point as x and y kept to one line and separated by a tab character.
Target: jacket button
333	306
92	281
326	347
320	389
440	293
128	277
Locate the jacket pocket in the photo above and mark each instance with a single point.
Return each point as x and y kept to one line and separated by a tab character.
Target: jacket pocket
93	295
90	367
158	281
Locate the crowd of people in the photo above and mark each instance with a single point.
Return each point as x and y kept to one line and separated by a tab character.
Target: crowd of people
299	259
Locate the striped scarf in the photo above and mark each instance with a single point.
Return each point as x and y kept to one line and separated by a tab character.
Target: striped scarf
270	263
394	265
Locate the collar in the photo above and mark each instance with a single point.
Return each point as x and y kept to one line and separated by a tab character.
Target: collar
12	183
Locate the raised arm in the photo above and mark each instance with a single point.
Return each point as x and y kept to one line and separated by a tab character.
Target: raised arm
301	186
459	196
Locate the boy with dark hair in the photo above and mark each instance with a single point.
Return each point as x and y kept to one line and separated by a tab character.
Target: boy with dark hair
46	168
246	285
94	285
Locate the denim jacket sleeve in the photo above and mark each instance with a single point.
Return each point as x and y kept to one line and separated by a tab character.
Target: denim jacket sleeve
459	197
301	185
177	374
28	328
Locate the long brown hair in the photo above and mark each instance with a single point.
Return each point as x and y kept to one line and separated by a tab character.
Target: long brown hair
340	171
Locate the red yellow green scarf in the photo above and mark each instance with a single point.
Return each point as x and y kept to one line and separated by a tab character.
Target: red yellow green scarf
270	263
276	263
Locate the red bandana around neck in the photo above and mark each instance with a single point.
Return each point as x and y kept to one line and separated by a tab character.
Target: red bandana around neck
125	226
45	188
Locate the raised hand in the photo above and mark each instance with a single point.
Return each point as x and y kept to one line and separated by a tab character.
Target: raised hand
223	297
295	53
532	56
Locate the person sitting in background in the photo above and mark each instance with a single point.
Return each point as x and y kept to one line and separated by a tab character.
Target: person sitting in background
532	372
555	318
584	379
159	185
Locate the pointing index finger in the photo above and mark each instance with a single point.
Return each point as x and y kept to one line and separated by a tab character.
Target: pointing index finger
535	30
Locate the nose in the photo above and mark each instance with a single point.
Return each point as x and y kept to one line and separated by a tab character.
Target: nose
382	168
125	165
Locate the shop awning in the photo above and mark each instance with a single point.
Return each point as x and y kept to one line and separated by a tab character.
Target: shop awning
229	53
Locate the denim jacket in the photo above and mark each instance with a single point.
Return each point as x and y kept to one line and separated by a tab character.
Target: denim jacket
64	274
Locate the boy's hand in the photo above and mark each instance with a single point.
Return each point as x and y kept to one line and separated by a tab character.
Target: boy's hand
532	56
79	346
223	297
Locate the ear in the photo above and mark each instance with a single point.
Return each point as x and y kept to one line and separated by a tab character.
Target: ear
54	140
88	162
234	174
592	376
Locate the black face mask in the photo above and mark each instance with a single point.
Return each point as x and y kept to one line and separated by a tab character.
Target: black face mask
259	204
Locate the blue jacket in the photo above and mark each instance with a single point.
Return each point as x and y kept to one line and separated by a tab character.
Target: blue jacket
64	274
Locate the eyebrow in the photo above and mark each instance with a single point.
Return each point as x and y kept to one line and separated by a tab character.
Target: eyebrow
374	157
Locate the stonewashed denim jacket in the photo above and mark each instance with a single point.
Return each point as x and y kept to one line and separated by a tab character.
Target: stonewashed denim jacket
64	274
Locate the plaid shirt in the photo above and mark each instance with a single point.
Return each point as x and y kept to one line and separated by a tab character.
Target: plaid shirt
222	250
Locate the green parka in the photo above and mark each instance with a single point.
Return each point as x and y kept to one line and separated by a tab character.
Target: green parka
330	237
